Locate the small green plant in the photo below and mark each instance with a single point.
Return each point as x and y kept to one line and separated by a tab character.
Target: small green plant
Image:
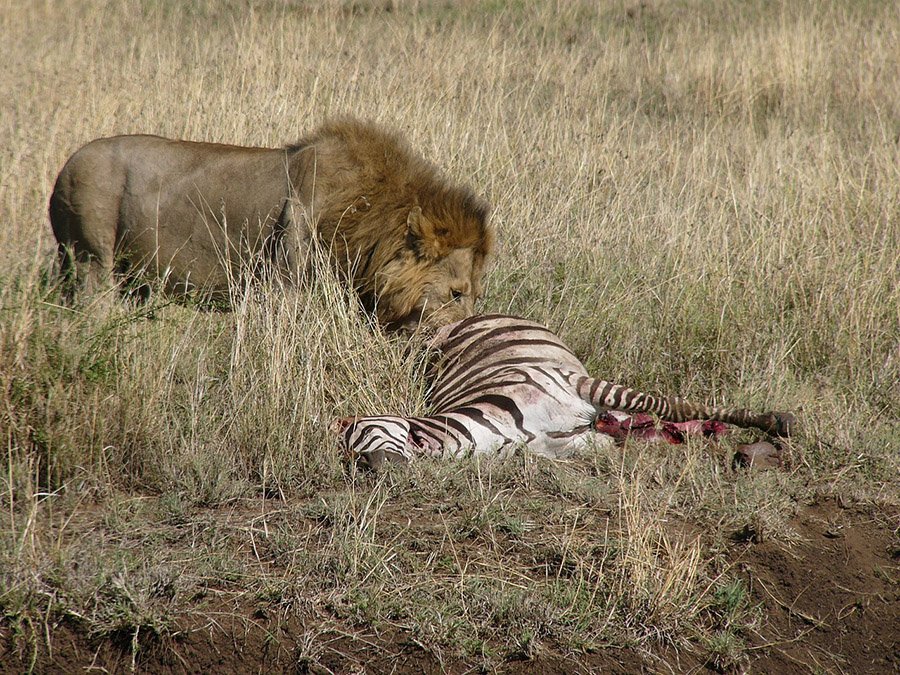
731	598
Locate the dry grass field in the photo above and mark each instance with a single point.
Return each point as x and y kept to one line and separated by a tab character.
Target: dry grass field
701	197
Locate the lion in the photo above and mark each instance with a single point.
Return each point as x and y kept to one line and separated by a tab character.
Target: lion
195	215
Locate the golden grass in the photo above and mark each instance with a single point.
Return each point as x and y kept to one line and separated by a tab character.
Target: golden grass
702	198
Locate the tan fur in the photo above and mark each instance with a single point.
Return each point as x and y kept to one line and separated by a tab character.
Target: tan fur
410	242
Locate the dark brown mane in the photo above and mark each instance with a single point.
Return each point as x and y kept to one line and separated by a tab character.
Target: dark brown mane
372	177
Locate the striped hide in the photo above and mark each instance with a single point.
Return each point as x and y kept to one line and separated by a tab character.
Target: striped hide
498	382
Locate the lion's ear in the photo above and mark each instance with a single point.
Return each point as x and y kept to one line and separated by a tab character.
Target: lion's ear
417	226
421	232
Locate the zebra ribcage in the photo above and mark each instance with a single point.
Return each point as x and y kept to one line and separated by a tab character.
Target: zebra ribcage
476	357
507	405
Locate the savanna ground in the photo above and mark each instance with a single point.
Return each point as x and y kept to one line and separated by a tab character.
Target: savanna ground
701	197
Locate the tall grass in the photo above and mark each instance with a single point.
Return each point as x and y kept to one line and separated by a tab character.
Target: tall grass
702	198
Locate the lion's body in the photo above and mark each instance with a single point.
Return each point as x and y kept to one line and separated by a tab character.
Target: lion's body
194	214
168	206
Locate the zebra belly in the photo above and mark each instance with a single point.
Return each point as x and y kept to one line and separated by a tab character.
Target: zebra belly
561	428
553	425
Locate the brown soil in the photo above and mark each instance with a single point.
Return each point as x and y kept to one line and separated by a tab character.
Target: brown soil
830	603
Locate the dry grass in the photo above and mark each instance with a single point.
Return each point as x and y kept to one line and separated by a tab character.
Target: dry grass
700	198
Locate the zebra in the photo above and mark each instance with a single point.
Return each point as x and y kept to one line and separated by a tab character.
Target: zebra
499	382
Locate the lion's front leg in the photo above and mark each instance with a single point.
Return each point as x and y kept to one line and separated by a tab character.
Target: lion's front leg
292	243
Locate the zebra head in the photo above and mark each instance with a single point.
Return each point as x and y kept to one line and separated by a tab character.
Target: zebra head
370	441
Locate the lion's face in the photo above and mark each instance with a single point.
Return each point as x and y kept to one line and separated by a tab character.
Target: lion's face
431	293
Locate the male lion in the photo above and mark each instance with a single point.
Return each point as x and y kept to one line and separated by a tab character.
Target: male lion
410	242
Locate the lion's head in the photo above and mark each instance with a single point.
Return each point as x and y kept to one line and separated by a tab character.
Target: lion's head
437	277
413	244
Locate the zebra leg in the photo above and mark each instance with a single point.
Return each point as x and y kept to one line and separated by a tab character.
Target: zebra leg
606	395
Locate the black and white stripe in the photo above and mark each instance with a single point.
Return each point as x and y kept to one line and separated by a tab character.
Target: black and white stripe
499	381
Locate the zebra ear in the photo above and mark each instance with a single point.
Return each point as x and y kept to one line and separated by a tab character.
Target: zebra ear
340	425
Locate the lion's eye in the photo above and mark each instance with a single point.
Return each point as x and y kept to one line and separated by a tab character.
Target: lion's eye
457	295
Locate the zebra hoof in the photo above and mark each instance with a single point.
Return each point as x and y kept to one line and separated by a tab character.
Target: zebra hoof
784	424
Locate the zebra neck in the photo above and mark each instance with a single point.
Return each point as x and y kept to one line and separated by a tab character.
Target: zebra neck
440	435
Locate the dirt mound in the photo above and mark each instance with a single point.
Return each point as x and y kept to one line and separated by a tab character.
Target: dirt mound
832	601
